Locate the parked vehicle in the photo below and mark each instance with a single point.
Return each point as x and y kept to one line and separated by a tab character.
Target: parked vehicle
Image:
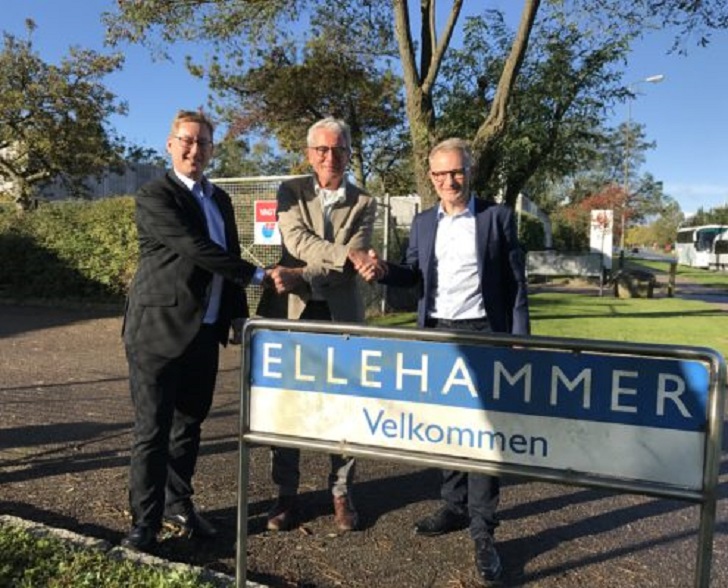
694	245
719	258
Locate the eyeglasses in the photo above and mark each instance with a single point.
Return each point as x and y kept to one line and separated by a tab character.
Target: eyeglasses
339	152
189	141
457	175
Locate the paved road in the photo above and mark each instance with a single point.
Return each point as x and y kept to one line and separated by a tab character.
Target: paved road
64	437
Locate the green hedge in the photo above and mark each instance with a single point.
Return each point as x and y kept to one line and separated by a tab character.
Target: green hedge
74	250
531	233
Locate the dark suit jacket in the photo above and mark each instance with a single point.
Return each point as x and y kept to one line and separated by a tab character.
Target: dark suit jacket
177	258
501	266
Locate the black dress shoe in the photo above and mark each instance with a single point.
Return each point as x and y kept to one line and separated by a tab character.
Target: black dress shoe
488	561
284	514
193	523
140	538
444	520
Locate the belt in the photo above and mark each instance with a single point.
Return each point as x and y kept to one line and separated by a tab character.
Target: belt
455	323
321	304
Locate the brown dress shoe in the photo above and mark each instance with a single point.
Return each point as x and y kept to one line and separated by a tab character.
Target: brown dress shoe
284	514
345	515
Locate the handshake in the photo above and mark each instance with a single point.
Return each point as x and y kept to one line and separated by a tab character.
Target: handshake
286	279
368	264
282	279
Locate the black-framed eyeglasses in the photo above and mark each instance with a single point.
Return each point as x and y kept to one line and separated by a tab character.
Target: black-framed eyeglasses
456	174
322	151
189	142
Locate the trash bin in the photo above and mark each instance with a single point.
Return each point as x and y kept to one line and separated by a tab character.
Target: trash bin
634	283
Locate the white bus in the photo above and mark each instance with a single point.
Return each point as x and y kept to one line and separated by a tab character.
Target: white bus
694	245
719	257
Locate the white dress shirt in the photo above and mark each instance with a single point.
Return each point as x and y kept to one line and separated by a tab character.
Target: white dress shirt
457	292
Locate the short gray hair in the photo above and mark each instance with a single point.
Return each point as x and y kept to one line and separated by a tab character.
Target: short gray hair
333	124
453	144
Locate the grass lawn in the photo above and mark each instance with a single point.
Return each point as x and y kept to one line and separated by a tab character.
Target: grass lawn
30	561
636	320
702	277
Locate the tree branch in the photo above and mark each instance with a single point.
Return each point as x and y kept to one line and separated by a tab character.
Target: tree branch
495	123
404	40
433	66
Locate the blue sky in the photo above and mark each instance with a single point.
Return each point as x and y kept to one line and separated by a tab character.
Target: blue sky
685	114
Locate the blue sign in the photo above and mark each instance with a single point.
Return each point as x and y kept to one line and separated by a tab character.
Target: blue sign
653	392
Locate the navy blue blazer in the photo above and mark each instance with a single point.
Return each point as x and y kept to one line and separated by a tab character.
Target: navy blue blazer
501	266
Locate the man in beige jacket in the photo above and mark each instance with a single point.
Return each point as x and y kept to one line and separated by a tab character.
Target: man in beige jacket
326	225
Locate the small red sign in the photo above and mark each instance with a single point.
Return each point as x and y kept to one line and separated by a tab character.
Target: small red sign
265	211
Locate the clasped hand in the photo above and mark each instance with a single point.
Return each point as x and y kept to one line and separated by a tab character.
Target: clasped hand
286	279
368	264
282	279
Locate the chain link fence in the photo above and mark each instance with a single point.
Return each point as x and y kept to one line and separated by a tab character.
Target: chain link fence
391	228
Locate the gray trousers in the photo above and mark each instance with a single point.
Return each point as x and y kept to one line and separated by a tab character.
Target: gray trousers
286	473
285	460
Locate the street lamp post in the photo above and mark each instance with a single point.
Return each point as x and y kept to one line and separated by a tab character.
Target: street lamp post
627	138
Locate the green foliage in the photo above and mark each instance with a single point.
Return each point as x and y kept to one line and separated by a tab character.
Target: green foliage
566	85
71	250
235	158
52	118
287	87
714	216
530	232
569	234
29	561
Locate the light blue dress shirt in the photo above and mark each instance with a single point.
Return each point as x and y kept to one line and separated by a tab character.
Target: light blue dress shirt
457	294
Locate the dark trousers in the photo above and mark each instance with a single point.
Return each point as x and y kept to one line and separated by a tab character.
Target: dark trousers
171	398
284	460
476	495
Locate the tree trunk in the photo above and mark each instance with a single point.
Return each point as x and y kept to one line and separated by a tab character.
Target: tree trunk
494	125
418	88
420	113
357	167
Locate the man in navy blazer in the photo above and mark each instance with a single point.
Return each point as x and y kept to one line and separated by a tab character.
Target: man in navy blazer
188	288
465	258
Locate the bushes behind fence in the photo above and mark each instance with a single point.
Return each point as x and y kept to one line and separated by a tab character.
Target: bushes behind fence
73	250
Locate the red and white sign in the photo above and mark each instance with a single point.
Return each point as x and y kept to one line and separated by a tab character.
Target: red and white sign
600	236
266	226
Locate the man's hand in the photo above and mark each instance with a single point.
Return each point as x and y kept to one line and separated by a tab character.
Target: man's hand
285	279
368	264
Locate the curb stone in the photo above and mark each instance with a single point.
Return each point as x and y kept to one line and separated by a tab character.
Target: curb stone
120	553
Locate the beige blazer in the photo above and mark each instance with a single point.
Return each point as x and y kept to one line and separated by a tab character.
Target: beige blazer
301	222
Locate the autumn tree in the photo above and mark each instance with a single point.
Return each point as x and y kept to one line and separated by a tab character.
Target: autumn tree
53	117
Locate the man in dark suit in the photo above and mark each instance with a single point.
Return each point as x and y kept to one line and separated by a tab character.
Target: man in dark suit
465	258
188	288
